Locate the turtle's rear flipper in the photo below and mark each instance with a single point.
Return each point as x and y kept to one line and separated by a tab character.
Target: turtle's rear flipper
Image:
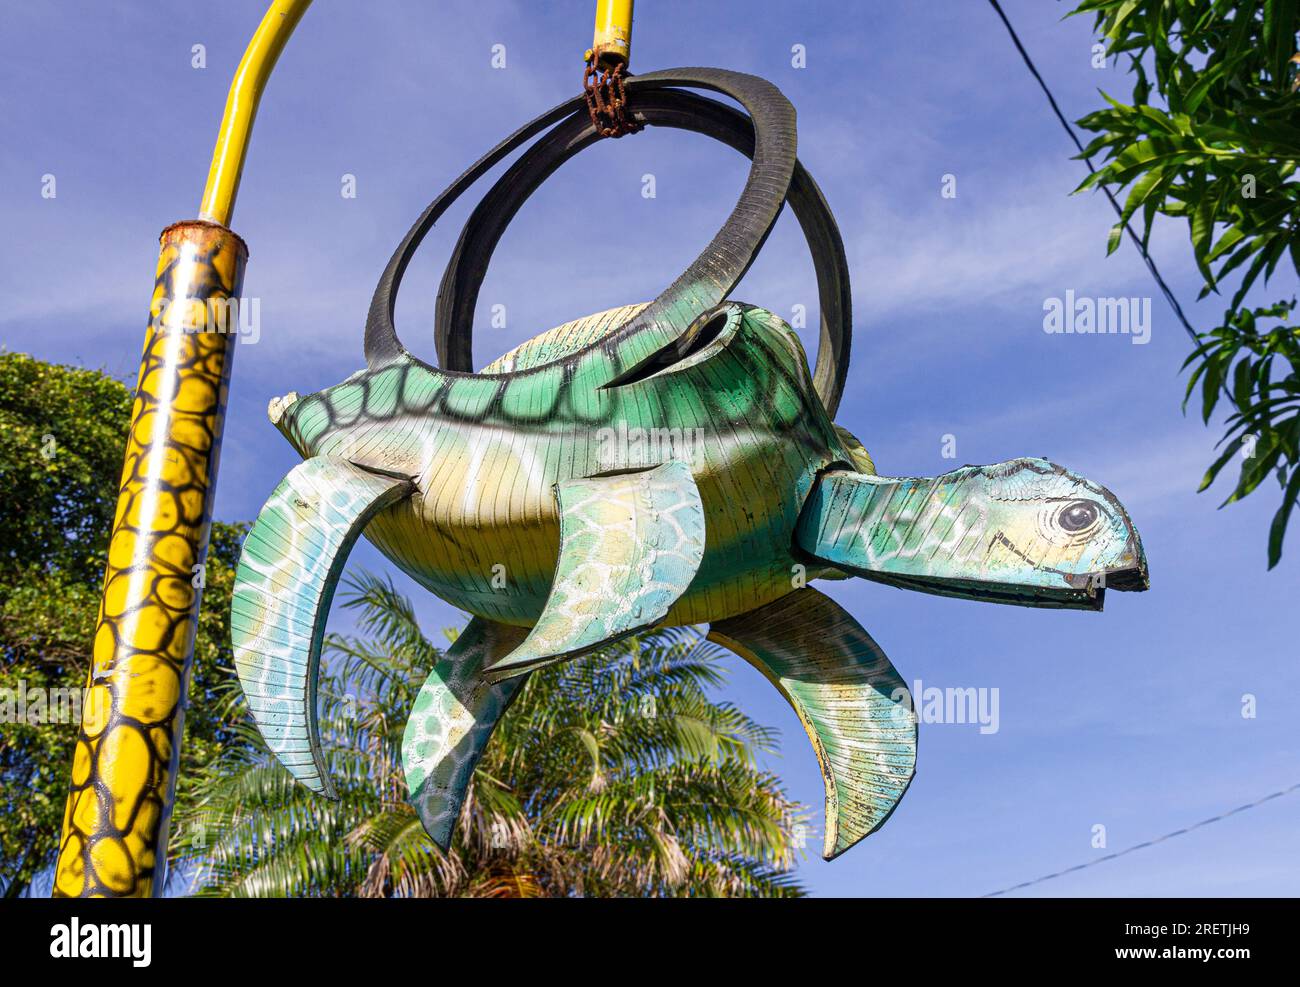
855	708
629	547
289	567
454	716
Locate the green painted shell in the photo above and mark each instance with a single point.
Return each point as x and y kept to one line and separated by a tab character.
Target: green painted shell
485	453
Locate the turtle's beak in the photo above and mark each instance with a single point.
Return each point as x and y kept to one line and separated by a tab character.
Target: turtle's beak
1130	575
1131	580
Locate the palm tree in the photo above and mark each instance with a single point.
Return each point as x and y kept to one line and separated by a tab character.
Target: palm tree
611	774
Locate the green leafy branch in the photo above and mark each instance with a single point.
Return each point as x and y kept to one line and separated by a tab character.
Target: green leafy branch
1218	149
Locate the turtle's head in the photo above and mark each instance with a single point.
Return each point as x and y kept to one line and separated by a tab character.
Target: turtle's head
302	431
1026	531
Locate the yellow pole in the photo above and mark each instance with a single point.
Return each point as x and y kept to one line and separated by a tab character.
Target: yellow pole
612	41
241	107
114	842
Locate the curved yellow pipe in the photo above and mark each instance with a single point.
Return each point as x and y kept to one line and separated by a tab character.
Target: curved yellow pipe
241	107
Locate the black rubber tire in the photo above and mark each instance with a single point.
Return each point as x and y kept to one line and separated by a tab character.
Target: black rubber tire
767	136
459	289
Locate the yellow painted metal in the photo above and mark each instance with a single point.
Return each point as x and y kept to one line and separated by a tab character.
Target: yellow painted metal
613	35
241	107
114	841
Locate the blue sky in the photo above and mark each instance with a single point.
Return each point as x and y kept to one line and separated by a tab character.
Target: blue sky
1130	719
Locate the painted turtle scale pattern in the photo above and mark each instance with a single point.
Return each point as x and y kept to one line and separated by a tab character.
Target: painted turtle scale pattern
488	459
667	463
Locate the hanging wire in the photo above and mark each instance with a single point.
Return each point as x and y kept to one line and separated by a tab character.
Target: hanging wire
1173	303
1119	210
1148	843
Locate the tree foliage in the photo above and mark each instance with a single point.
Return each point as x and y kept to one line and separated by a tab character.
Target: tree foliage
611	774
62	436
1212	138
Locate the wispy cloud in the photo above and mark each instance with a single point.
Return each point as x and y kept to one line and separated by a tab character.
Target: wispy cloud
1017	236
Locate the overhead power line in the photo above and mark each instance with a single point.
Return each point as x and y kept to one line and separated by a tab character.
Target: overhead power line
1173	303
1119	210
1149	843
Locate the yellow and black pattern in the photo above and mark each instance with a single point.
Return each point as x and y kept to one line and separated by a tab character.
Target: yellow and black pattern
114	829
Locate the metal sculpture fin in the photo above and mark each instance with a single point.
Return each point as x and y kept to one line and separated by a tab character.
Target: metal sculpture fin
630	545
854	706
290	564
452	720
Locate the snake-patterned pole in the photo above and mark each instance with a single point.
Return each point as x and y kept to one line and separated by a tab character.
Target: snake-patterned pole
114	841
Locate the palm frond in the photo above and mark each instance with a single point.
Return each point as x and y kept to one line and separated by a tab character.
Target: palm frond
616	773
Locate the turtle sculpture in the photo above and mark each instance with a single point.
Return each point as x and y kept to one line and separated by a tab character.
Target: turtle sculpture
670	463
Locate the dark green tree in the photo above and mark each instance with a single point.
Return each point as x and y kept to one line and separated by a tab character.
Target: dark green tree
1211	137
62	436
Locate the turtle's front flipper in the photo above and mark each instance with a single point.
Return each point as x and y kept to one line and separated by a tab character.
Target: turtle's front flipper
855	708
454	716
629	547
289	567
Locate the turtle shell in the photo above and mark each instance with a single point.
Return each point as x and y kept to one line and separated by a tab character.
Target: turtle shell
556	344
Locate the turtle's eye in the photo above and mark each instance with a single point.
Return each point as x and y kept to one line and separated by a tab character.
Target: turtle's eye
1077	515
